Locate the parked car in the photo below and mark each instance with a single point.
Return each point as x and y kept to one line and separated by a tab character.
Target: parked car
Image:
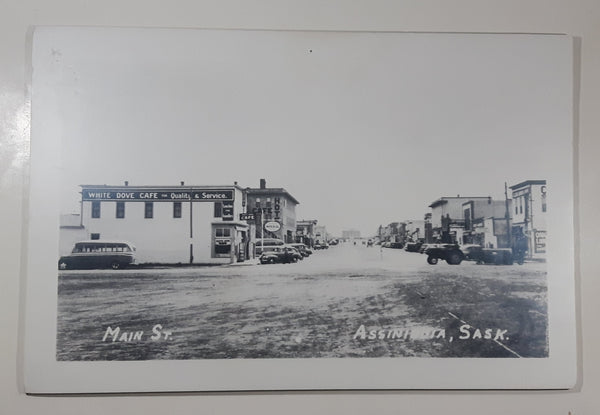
283	255
472	252
98	254
321	245
451	253
413	246
396	245
267	244
498	256
303	249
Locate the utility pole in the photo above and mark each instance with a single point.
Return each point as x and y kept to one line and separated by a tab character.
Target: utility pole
262	236
191	227
532	233
507	216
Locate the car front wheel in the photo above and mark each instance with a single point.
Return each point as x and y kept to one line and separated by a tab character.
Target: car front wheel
431	260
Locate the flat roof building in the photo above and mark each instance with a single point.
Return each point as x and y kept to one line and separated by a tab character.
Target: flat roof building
529	215
170	224
272	205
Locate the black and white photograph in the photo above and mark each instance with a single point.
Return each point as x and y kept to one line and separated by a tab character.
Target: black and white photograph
228	197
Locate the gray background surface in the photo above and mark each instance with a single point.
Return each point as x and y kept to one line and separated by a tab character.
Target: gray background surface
576	18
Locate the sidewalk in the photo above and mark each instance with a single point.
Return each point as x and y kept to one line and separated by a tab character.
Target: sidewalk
253	261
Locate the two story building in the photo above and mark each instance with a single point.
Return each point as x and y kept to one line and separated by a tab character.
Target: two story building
169	224
529	215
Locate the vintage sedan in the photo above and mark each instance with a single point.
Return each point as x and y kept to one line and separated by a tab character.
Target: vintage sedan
497	256
283	255
303	249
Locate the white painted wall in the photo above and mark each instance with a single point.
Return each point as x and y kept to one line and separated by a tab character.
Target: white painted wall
162	238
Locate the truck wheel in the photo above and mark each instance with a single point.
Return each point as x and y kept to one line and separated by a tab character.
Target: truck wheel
454	258
115	265
431	260
63	265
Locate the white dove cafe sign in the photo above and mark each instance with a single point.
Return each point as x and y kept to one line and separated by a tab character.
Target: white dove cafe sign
169	224
158	195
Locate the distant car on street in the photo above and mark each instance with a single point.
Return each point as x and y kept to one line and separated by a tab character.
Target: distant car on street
267	244
472	251
283	255
425	247
321	245
303	249
450	253
413	246
99	254
497	256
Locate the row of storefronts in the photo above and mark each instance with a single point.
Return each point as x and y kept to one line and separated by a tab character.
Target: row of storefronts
182	224
516	221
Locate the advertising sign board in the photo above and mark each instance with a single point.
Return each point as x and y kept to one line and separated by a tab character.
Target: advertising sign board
272	226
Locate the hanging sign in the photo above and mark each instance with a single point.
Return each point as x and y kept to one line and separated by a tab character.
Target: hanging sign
272	226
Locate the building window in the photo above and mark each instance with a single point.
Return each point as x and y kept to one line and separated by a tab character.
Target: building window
222	232
467	217
222	243
96	210
94	236
218	209
120	210
148	210
543	202
521	204
176	209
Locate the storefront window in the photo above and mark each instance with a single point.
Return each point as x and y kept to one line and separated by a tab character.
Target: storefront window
222	242
223	232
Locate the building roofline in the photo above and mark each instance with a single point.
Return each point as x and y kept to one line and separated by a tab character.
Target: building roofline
444	199
271	190
175	186
527	183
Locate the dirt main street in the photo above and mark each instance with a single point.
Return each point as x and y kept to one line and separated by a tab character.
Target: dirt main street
347	301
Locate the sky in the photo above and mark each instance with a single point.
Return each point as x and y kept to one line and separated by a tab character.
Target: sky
362	128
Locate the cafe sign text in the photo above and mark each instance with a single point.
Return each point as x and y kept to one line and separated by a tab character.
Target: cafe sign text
157	195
